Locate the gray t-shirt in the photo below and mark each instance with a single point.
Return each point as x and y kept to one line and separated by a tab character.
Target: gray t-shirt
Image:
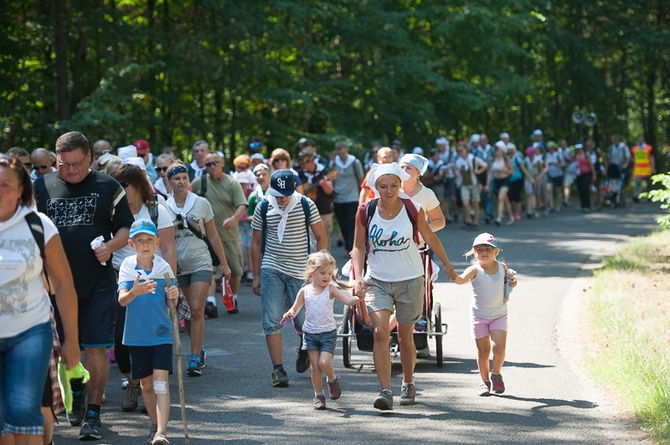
346	186
192	252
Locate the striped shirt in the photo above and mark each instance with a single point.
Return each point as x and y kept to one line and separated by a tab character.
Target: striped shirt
289	257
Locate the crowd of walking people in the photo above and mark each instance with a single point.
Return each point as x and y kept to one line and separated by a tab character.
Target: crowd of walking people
112	234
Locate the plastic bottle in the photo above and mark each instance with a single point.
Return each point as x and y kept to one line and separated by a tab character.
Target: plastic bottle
227	295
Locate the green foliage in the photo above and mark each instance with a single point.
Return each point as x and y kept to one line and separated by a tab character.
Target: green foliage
661	195
173	72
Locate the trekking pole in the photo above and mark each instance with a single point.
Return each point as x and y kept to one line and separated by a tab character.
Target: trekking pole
177	341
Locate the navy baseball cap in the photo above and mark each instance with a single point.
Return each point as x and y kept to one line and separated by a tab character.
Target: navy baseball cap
282	183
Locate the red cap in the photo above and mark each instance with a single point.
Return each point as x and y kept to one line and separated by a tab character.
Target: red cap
142	146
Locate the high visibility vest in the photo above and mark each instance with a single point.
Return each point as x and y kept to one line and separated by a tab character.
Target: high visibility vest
642	158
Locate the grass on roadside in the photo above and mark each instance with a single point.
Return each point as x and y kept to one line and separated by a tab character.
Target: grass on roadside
629	320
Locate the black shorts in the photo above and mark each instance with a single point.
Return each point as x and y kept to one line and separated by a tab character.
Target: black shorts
144	359
515	188
96	320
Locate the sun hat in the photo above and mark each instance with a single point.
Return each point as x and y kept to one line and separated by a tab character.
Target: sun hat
135	160
129	151
143	225
485	239
417	161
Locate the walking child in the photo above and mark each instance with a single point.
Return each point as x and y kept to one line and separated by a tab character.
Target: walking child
148	329
490	291
319	328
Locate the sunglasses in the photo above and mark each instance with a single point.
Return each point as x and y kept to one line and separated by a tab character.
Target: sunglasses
161	169
180	222
211	164
41	167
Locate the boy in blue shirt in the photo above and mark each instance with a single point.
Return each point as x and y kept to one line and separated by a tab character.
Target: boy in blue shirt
148	330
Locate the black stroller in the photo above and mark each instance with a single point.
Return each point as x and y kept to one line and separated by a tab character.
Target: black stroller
356	323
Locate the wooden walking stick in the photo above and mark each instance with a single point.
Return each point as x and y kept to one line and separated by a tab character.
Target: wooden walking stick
177	341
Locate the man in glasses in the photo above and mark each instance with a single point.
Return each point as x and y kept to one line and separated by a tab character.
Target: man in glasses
85	204
41	163
227	199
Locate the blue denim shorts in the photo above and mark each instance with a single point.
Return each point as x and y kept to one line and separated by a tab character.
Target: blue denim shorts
322	342
278	292
24	360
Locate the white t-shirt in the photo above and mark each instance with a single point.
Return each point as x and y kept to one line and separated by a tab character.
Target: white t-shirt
393	255
25	302
164	221
427	200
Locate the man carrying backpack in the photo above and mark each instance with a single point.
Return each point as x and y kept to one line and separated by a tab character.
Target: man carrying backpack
279	250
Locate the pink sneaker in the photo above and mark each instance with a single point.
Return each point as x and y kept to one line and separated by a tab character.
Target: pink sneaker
111	355
182	326
517	217
497	384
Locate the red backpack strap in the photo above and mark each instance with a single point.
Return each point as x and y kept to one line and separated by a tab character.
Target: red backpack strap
413	216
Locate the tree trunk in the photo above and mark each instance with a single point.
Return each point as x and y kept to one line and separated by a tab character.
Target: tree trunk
62	101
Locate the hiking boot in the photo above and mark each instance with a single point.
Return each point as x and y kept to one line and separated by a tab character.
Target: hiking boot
485	389
320	402
384	400
194	366
211	310
279	378
498	385
90	430
203	354
334	388
78	413
302	362
152	434
408	394
160	439
129	402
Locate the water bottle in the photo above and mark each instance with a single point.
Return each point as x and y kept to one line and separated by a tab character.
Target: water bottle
227	295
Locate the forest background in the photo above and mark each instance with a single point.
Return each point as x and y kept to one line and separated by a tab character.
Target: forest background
232	71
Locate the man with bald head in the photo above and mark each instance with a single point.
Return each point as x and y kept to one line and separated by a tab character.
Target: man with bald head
97	149
227	199
41	163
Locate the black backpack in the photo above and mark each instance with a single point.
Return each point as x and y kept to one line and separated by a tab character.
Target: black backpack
264	213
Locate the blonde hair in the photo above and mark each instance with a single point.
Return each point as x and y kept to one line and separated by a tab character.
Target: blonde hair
316	261
242	160
471	252
279	153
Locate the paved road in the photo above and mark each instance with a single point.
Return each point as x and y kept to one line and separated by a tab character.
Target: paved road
548	398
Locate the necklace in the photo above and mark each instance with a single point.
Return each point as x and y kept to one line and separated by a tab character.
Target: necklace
390	213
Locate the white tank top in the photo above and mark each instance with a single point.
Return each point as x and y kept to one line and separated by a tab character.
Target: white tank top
488	294
393	255
318	311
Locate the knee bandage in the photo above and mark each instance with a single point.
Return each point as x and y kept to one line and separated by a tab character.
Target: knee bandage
160	387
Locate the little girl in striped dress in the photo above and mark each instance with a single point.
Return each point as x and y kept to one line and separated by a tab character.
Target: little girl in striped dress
319	328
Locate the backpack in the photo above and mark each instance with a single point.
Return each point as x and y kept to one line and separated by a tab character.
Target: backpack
153	211
367	210
37	229
264	213
203	185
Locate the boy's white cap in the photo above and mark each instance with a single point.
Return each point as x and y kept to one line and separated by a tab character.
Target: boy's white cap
486	239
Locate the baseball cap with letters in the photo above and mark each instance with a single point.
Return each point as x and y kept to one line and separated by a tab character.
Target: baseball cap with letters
143	225
282	183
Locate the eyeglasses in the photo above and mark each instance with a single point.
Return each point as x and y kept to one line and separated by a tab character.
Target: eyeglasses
124	184
280	159
41	167
161	169
72	164
211	164
180	222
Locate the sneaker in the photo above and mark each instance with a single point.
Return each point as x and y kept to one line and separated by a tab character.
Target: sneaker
90	430
78	413
320	402
211	311
510	221
160	439
124	383
517	217
423	353
279	378
302	362
182	326
384	400
529	215
129	402
498	221
334	388
485	389
152	434
407	394
497	383
194	366
202	358
111	356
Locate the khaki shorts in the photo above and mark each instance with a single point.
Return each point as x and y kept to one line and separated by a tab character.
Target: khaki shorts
406	296
234	257
470	193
